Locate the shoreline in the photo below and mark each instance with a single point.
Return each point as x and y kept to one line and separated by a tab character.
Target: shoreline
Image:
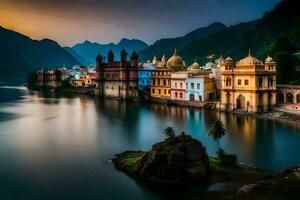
275	114
239	182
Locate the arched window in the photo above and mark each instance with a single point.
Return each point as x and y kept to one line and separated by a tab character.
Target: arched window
239	82
246	82
289	97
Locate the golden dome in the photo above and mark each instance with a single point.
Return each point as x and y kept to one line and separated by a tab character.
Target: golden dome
228	59
269	59
175	62
194	66
249	60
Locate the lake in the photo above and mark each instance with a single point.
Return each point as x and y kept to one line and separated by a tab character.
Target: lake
59	146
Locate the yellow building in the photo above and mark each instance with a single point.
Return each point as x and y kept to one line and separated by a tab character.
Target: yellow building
250	86
85	80
161	80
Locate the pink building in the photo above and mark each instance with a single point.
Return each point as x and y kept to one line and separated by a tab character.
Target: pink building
178	85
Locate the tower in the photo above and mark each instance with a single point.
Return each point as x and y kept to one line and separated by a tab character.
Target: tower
110	57
123	57
134	59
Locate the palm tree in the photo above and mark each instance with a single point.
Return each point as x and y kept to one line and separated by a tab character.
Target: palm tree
217	131
169	132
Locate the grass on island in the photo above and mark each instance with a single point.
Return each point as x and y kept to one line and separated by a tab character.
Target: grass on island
128	161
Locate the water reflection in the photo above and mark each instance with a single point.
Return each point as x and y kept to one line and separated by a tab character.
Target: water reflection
60	144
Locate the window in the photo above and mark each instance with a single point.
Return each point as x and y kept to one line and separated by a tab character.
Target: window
158	91
239	82
158	81
192	85
175	85
228	81
198	86
260	81
246	82
169	91
153	91
164	82
165	91
181	85
176	94
180	95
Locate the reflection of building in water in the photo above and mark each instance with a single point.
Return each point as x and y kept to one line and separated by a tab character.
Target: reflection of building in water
117	79
249	86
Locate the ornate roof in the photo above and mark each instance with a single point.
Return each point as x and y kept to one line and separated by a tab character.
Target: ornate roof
194	66
175	62
249	60
269	59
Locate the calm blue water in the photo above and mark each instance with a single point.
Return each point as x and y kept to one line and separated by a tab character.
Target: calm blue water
59	147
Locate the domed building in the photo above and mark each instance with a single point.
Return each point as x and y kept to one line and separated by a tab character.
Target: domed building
175	62
249	86
209	66
161	80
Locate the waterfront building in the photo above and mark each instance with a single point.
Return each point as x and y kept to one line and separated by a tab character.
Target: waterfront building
250	86
51	78
117	79
194	84
178	83
161	80
288	97
145	72
200	86
85	80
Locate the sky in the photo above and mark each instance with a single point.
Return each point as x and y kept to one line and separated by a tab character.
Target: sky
72	21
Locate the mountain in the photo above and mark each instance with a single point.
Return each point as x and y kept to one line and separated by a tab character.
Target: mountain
87	51
166	46
20	54
277	33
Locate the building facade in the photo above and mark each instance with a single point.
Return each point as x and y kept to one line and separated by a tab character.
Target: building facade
51	78
117	79
178	85
250	86
161	80
145	72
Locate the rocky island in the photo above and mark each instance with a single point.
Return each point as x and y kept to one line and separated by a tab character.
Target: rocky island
182	159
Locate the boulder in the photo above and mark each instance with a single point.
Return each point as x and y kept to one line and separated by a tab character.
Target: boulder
177	159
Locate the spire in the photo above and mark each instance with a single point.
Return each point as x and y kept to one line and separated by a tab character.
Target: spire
249	54
175	51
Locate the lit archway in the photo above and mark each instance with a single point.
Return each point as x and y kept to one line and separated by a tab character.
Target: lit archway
241	102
